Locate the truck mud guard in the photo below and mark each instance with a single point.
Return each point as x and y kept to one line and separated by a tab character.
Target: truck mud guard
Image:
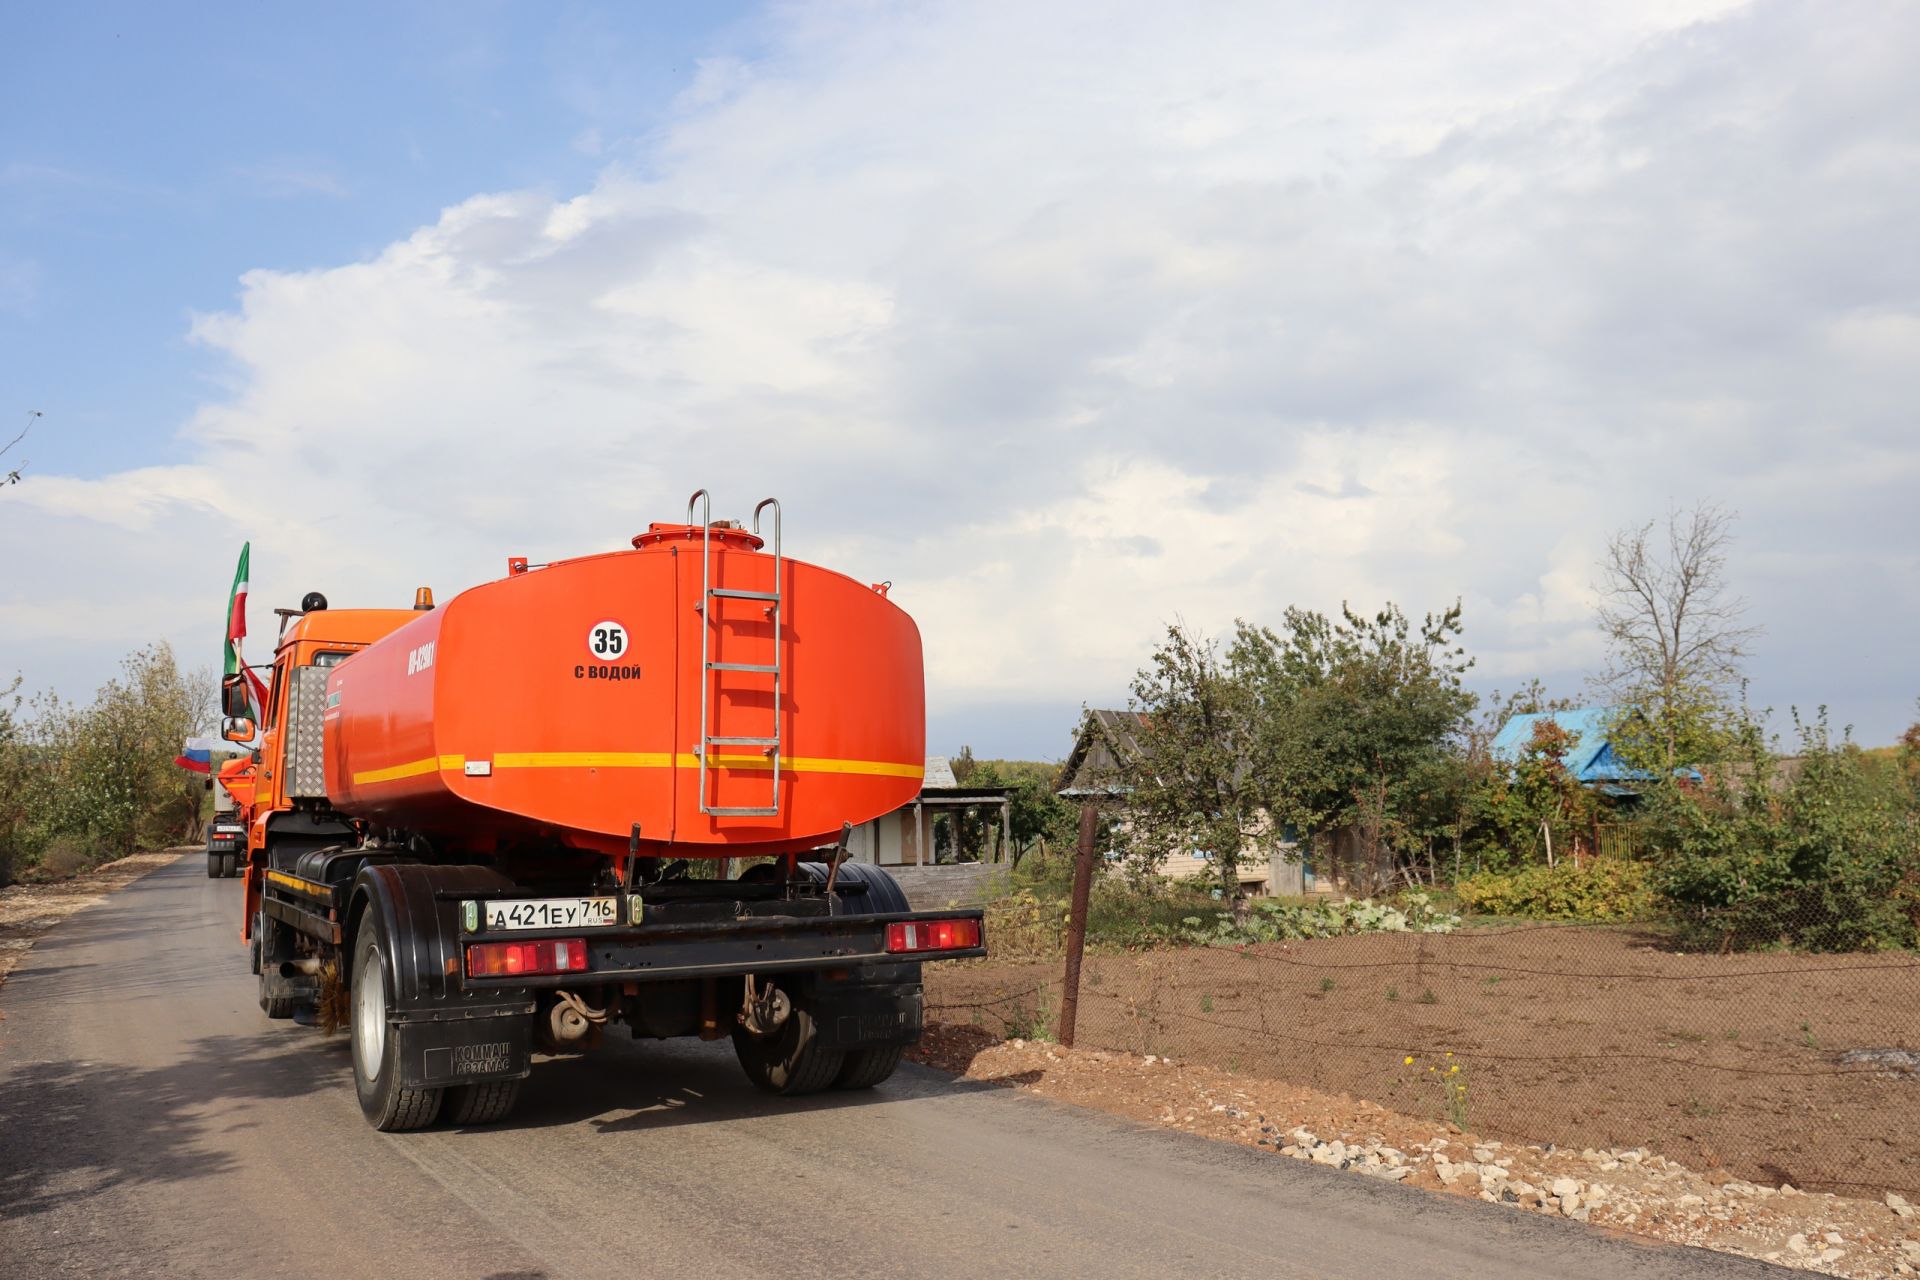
449	1033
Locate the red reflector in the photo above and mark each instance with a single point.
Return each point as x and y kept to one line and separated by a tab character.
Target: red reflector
933	935
511	959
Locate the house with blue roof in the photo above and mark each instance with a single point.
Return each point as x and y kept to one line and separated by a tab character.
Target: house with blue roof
1591	759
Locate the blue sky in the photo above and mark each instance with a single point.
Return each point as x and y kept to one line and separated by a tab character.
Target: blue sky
1070	320
150	155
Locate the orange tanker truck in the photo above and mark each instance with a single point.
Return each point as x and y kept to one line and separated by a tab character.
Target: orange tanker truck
514	822
232	784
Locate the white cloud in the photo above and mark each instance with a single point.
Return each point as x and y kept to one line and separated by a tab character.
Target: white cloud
1071	321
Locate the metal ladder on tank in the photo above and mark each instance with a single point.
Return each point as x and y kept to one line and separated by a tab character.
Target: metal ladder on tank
709	667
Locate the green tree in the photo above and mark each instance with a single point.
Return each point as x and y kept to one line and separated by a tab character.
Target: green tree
1035	815
18	774
1198	781
1537	806
1353	721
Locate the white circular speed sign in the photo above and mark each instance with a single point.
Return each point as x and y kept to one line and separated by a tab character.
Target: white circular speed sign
607	642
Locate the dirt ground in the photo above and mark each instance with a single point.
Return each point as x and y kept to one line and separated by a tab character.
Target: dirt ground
1581	1037
1630	1190
29	910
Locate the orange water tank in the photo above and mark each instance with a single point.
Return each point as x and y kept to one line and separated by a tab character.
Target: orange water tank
727	699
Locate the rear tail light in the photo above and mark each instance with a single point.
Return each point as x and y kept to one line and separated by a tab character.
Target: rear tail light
514	959
933	935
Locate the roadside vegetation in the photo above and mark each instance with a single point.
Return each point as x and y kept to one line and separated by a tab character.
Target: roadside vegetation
85	784
1350	741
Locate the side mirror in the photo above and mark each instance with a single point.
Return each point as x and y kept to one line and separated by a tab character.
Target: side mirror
234	700
237	729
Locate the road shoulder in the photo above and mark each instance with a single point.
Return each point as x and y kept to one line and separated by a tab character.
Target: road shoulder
29	910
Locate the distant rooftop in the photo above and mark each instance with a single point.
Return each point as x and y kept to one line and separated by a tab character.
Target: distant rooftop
1591	758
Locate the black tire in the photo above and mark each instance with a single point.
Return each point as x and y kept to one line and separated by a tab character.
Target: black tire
865	1068
791	1061
213	866
229	865
274	945
861	879
389	1106
488	1102
253	947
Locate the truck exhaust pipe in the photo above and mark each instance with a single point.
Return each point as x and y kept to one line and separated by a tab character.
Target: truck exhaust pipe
572	1020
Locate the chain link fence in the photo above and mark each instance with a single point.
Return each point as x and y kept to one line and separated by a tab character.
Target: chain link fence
1775	1066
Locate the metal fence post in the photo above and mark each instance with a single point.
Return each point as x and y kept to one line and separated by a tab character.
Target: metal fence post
1077	924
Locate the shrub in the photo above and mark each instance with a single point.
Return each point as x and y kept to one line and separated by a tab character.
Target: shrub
1827	859
65	856
1281	919
1599	889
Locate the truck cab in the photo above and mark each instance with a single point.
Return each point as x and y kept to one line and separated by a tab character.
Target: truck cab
288	814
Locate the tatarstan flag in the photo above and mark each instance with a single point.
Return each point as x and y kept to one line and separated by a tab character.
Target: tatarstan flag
237	631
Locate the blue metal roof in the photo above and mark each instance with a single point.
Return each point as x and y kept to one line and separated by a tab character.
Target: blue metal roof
1590	759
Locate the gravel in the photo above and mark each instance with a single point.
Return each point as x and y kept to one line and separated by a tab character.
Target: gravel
1624	1189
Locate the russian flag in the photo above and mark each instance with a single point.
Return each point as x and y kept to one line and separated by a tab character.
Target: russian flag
197	755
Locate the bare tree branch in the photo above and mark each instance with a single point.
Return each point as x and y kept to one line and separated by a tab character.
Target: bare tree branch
1674	629
13	476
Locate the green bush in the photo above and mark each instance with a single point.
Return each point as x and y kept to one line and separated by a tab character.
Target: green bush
1826	858
1281	919
1598	889
80	785
1122	912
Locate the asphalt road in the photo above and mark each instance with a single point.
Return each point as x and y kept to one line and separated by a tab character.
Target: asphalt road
154	1123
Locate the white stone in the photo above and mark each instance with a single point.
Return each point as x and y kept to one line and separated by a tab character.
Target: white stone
1565	1187
1899	1205
1831	1255
1798	1243
1832	1237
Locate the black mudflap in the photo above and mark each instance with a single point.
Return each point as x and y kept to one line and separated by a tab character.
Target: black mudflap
864	1016
465	1050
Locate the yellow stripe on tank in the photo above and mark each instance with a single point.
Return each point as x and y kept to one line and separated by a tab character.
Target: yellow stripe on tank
642	760
411	769
582	760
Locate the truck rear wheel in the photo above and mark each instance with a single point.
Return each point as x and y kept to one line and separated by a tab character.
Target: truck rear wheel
486	1103
388	1105
213	866
790	1061
867	1067
229	865
275	945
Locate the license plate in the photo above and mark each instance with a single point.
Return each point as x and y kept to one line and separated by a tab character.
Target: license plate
550	913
